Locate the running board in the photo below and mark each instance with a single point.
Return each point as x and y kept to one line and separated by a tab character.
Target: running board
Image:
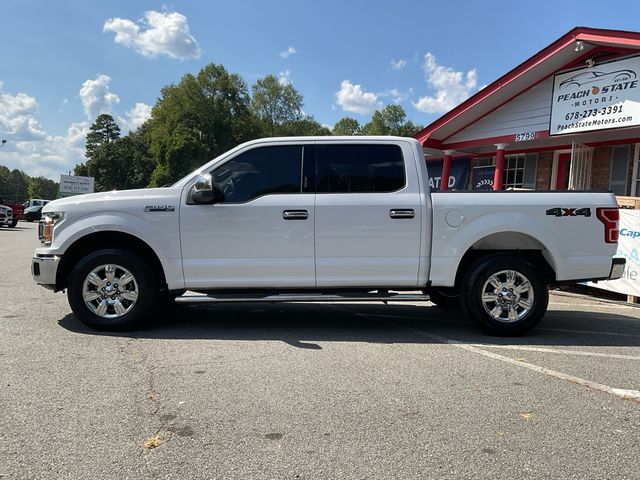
304	297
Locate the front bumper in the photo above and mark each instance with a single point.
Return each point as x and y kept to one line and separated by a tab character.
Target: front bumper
44	268
617	268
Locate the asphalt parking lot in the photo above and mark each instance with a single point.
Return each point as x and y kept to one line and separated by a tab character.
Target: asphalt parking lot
312	391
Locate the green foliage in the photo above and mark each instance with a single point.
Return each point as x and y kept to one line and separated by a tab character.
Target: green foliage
40	187
16	186
347	126
305	127
276	104
391	120
117	162
203	116
197	119
104	130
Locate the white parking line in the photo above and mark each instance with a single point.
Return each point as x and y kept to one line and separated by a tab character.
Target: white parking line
556	350
589	332
563	330
625	394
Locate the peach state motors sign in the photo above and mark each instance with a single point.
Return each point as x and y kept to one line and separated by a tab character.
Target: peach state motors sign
596	98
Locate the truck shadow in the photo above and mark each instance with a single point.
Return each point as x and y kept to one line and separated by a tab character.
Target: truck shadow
307	325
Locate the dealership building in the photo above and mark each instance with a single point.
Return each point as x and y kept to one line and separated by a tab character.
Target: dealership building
568	118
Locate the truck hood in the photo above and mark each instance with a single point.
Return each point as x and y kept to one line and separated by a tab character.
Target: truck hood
117	200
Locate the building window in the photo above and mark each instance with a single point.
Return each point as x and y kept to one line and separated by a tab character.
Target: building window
619	170
520	171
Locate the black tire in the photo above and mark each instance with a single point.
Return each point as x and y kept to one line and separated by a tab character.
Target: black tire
13	223
447	298
527	307
146	288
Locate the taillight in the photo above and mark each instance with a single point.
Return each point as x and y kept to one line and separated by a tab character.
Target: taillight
609	216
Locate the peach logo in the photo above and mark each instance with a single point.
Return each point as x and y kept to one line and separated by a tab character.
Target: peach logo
595	90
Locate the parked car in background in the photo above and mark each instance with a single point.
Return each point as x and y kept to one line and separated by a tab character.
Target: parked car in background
33	213
35	202
16	211
6	216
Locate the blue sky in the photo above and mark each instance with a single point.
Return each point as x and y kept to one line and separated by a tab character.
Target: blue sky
64	62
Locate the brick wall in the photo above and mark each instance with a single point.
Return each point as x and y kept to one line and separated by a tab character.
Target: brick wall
543	174
601	168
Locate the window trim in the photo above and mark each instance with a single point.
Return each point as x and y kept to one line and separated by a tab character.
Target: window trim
302	146
358	144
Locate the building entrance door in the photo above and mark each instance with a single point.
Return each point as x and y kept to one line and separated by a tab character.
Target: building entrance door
564	164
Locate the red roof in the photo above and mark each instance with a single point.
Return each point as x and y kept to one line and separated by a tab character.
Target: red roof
560	55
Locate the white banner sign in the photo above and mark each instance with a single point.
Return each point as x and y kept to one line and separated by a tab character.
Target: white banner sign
596	98
628	247
72	185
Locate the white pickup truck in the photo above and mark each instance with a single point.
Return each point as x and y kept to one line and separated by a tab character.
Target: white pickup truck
323	219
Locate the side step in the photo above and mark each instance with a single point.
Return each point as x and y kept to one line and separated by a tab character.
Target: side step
304	297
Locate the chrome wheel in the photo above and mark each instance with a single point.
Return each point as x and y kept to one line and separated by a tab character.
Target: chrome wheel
507	296
110	291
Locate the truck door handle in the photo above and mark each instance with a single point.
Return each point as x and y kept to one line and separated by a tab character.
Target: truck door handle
295	214
402	213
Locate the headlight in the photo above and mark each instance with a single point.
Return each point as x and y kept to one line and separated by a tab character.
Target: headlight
45	228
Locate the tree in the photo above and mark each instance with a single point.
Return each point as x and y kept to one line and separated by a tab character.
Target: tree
104	130
117	162
347	126
16	188
305	127
40	187
276	104
391	120
201	117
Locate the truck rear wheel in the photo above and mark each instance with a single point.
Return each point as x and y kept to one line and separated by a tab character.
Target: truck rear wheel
505	295
112	289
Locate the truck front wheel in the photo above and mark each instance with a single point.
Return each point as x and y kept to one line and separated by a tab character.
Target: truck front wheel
505	295
112	289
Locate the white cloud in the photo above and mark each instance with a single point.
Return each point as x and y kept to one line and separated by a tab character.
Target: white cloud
396	95
156	34
96	97
451	87
140	113
284	78
288	52
17	117
399	64
353	98
30	148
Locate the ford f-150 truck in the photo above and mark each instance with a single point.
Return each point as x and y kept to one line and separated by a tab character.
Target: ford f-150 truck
323	219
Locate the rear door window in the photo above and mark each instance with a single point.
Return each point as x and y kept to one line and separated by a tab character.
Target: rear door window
359	168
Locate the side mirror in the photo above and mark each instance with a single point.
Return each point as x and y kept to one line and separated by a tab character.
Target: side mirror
204	192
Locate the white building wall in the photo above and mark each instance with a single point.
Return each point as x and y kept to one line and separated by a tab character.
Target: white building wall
528	112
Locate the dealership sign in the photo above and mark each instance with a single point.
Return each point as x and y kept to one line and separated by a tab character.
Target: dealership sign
73	185
596	98
628	247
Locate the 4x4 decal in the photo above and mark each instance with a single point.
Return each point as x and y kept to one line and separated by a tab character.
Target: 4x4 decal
569	212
